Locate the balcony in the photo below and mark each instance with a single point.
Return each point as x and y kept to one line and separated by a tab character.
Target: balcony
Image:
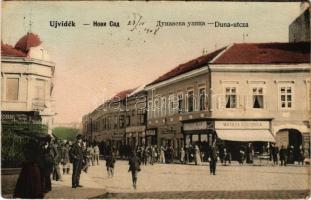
43	104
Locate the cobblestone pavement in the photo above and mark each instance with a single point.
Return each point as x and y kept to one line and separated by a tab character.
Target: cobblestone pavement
189	181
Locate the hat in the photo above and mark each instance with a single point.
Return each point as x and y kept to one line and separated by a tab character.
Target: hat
79	137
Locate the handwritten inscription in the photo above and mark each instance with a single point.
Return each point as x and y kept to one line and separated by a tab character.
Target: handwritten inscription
137	23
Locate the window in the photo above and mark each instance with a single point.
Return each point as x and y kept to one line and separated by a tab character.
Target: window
163	106
231	97
122	122
180	103
116	122
12	87
128	120
141	117
40	89
156	108
190	101
258	100
171	107
149	109
202	96
286	97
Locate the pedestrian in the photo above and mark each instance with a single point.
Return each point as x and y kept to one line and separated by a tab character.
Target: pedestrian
241	155
283	156
290	156
197	155
31	180
213	159
249	153
182	155
162	154
48	162
275	152
57	159
96	153
134	168
110	162
76	154
65	158
300	155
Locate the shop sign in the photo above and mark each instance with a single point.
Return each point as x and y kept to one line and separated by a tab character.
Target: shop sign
195	126
242	125
150	132
135	129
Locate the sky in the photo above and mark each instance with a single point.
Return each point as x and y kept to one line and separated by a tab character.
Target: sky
94	63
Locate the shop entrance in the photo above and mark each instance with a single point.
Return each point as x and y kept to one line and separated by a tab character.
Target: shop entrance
291	139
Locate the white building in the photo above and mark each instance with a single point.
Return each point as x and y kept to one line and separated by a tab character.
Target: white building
27	83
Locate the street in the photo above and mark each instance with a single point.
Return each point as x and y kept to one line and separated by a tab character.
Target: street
188	181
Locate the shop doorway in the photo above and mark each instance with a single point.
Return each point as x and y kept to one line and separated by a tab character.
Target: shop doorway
291	139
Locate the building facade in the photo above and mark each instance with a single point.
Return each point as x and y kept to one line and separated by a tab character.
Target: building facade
136	117
27	84
243	93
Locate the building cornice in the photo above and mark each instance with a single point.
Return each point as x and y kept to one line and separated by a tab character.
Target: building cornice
10	59
178	78
305	67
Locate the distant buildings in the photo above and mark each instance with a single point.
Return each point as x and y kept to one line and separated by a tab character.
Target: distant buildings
27	83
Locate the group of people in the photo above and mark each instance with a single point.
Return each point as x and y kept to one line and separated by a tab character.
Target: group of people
287	155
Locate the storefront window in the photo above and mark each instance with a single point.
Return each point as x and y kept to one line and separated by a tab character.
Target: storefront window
231	97
258	98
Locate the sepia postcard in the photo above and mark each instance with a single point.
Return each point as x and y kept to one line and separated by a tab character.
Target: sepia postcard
155	100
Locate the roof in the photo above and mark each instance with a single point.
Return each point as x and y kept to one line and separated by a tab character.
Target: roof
265	53
246	53
123	94
137	90
22	46
188	66
8	50
27	41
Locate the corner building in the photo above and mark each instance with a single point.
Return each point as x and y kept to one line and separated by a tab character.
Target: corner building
27	82
250	92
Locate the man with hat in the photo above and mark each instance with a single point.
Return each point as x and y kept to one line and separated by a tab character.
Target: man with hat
76	153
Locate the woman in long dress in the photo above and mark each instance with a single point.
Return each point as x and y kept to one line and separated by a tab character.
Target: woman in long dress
162	155
197	155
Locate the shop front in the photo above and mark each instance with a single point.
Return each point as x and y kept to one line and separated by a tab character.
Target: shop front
200	133
244	135
135	136
151	137
117	141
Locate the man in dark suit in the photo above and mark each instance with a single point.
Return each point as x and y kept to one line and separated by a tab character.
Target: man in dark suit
213	159
76	154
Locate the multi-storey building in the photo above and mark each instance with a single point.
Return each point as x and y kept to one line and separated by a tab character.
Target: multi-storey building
136	119
242	93
27	84
119	121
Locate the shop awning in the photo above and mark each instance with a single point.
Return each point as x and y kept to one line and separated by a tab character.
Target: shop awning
246	135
